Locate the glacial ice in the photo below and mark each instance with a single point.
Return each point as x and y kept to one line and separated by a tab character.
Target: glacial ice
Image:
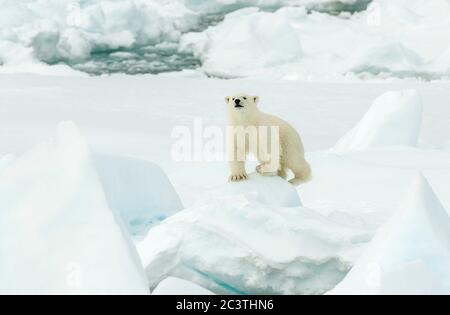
410	254
394	119
58	234
236	243
138	190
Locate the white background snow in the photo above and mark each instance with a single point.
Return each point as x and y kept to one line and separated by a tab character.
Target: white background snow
92	201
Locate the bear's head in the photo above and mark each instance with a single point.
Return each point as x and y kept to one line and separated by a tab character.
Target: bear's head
241	102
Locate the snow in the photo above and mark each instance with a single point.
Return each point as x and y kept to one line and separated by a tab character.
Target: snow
58	234
232	243
15	58
103	207
5	161
356	190
138	190
234	238
393	119
244	42
410	254
267	190
176	286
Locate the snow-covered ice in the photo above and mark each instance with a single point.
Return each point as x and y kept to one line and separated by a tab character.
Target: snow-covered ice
363	81
138	190
110	36
177	286
393	120
233	243
389	39
356	190
235	237
321	5
52	31
5	161
244	42
410	254
58	234
279	39
267	190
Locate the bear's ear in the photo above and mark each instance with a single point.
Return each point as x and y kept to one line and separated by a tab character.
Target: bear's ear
227	99
256	99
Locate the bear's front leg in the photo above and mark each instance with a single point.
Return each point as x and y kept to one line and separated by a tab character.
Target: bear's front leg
238	172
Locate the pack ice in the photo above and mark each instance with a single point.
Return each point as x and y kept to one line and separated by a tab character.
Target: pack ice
279	39
258	236
373	164
234	241
238	239
38	33
293	43
177	286
59	235
138	190
234	47
410	254
5	161
393	120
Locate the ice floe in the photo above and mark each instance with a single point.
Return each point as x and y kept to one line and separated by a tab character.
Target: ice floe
58	234
233	243
138	190
394	119
410	254
177	286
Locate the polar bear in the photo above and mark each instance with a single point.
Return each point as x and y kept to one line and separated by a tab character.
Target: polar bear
243	114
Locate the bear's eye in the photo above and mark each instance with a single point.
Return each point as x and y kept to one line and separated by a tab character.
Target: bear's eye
233	98
245	98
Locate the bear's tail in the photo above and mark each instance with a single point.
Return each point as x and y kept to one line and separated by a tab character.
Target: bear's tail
302	175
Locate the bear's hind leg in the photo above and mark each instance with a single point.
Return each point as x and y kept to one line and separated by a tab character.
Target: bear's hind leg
267	169
282	172
302	172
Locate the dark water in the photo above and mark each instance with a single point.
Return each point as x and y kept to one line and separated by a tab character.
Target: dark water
338	7
165	57
141	60
151	59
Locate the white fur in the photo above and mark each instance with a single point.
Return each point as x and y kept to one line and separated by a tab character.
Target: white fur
291	151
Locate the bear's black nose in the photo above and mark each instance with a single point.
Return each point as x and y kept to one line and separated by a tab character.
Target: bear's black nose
237	101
